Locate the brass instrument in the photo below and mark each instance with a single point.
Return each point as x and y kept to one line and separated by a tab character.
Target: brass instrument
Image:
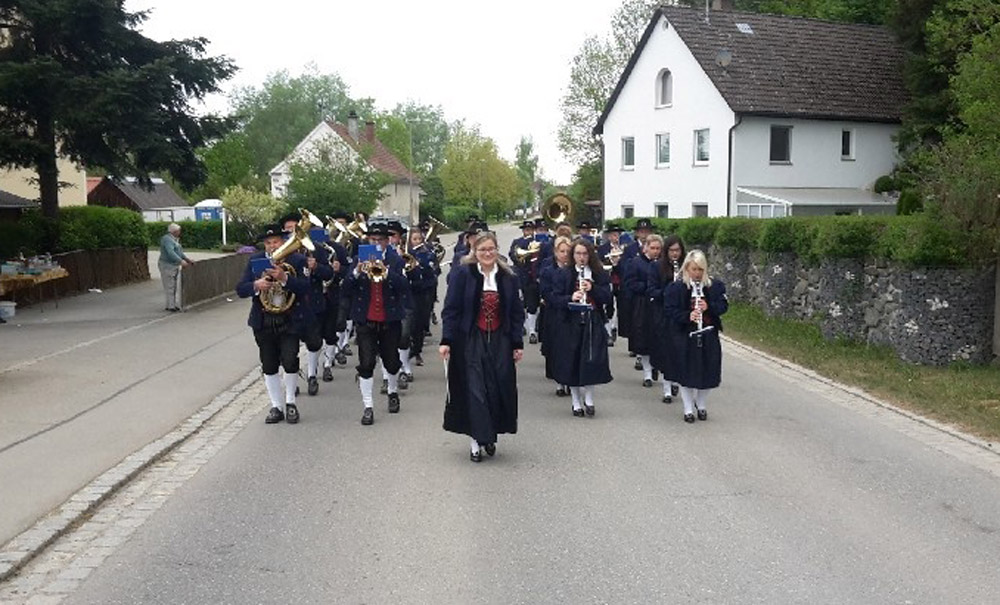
356	229
558	209
375	270
278	299
432	239
613	255
524	254
410	261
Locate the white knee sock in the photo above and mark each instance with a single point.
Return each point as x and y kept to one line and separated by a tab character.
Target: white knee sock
273	384
701	396
328	352
688	396
575	392
647	367
474	445
608	326
385	373
365	384
588	395
530	322
666	386
312	363
342	339
291	381
393	383
404	358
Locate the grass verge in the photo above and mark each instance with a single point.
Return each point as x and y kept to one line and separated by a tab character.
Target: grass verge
961	394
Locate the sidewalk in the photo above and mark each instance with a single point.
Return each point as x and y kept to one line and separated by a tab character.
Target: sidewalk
85	384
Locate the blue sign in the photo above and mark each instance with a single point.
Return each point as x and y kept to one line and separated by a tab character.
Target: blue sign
369	252
319	235
259	265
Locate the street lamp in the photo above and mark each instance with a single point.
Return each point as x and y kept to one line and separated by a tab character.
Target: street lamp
414	219
482	161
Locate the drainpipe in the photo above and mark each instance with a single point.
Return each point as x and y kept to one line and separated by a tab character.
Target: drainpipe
729	176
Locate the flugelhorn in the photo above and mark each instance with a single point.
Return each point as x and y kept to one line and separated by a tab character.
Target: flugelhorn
277	299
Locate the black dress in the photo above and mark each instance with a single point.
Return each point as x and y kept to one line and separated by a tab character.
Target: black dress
639	271
482	380
579	353
656	287
695	360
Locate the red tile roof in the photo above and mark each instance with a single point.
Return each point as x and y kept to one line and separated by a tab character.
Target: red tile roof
381	158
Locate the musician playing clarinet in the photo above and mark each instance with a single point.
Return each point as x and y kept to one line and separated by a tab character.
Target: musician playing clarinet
694	307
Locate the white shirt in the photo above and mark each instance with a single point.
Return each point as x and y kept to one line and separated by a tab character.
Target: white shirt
489	279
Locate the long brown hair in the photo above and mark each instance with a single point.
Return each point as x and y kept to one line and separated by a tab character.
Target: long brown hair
666	265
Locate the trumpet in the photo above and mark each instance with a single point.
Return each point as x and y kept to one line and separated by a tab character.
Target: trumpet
613	257
374	269
524	254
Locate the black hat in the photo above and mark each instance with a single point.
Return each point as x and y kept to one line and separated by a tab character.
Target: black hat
271	230
614	229
472	218
396	227
289	217
425	226
476	227
583	225
644	223
540	222
528	224
340	215
380	229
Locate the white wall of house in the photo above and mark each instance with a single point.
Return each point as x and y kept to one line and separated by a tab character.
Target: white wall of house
695	104
396	202
322	138
180	213
815	158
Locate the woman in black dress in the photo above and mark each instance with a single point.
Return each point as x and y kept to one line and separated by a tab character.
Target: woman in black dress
552	318
694	307
638	273
481	340
669	271
579	293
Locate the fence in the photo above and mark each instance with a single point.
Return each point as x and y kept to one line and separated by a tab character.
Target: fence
212	277
103	268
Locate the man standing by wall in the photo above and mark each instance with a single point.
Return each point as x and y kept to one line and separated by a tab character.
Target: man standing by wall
172	258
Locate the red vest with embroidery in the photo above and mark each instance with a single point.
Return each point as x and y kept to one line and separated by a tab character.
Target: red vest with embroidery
489	312
376	306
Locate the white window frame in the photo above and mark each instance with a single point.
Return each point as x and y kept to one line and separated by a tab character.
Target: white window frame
770	141
656	210
660	164
660	101
628	211
763	210
624	165
696	205
708	146
850	157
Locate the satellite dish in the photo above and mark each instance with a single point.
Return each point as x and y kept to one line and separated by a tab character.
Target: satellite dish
723	58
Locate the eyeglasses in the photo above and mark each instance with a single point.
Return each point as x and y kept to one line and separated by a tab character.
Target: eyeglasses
486	250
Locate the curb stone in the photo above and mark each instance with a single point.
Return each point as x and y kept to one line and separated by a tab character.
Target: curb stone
24	547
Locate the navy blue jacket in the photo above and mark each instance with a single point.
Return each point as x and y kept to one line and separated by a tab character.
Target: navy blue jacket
322	273
333	289
561	283
301	311
461	305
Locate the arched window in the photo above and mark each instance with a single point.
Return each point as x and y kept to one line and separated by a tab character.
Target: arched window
664	88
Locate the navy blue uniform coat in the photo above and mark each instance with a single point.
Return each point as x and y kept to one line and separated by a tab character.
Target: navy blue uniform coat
579	350
301	312
697	367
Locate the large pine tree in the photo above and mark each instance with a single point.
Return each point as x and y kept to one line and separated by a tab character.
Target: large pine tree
78	80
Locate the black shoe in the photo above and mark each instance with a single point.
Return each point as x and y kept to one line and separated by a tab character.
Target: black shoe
589	409
562	392
393	403
347	350
689	418
476	456
647	383
274	416
578	413
368	417
385	387
668	399
702	415
418	360
402	381
341	359
631	353
656	375
291	413
611	342
434	318
491	449
638	365
409	376
533	339
614	334
327	374
313	387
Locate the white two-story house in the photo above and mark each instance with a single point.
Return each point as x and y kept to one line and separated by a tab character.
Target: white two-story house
740	114
347	142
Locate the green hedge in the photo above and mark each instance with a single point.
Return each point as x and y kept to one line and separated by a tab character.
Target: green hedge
79	227
456	216
194	234
921	239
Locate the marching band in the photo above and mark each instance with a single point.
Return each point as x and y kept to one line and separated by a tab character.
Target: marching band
574	294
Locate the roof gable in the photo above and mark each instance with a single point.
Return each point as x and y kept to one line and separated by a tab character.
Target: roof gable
161	195
379	158
9	200
789	66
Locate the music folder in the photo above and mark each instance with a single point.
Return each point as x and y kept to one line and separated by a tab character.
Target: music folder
369	252
259	265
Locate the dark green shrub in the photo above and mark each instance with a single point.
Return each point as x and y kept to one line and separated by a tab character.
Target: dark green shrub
847	236
739	233
909	202
91	227
884	184
206	235
925	241
698	231
456	216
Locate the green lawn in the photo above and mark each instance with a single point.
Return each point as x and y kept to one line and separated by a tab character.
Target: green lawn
960	394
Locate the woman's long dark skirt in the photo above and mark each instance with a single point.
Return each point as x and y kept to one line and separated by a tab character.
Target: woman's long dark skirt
489	364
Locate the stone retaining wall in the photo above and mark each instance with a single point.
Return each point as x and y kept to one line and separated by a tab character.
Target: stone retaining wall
927	315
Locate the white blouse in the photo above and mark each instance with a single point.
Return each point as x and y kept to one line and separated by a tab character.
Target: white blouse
489	279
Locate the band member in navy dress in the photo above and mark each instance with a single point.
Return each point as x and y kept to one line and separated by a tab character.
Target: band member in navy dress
277	332
579	292
481	341
694	308
638	273
611	251
424	290
669	271
553	317
377	309
643	227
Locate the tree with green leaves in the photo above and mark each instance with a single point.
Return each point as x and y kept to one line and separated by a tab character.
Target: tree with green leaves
325	185
475	175
429	130
228	162
78	80
250	210
526	164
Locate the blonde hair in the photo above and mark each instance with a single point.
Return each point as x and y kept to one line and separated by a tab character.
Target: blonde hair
652	237
559	241
478	239
697	258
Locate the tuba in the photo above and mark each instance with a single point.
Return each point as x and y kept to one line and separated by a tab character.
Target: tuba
280	300
558	209
431	239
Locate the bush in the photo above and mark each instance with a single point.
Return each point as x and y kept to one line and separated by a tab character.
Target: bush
456	217
93	227
846	236
885	184
925	241
909	202
205	235
739	233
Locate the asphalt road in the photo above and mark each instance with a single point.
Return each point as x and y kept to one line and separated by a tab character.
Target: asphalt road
791	492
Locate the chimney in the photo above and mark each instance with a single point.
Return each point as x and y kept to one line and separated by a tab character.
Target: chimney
722	5
352	124
370	131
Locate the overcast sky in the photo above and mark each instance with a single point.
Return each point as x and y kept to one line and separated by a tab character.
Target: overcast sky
503	66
